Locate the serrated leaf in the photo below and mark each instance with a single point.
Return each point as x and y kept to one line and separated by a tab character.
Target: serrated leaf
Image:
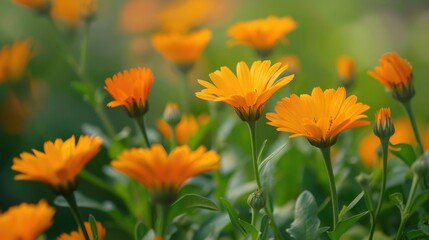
398	200
306	224
191	201
233	216
346	209
406	152
344	225
140	231
94	229
249	228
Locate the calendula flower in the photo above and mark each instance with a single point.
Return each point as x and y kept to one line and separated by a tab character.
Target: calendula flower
383	127
26	221
262	34
346	70
14	60
182	48
59	164
396	74
78	235
162	173
249	90
67	11
184	130
319	117
34	4
130	89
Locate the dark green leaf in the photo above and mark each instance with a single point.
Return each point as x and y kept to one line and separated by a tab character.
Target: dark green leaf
306	224
346	209
345	225
265	222
415	234
421	198
233	216
405	152
94	229
191	201
140	231
424	227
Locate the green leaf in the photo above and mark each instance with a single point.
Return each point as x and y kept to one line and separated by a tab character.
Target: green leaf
140	231
424	226
233	216
405	153
191	201
261	150
249	228
345	225
94	229
423	196
306	224
85	202
85	89
265	222
266	168
415	234
346	209
398	200
212	227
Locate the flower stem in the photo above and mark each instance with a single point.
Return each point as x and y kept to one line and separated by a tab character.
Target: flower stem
141	123
184	92
71	200
384	145
406	214
409	110
161	219
326	152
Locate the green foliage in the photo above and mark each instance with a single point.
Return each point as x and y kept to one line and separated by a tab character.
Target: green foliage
405	152
94	229
191	201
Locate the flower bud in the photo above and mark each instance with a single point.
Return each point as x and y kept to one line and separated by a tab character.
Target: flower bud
364	180
383	127
87	9
256	200
419	167
172	114
346	70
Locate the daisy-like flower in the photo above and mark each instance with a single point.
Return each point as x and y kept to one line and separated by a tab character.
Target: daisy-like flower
78	235
34	4
249	90
59	164
162	173
182	48
26	221
14	60
262	34
396	74
319	117
130	89
184	130
346	70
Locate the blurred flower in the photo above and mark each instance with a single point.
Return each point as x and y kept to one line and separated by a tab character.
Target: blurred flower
13	114
292	62
14	60
346	70
383	127
165	174
67	11
185	129
87	9
396	74
139	15
26	221
262	34
59	164
182	48
249	90
34	4
319	117
78	235
130	89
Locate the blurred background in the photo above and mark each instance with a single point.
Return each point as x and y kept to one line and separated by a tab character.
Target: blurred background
120	39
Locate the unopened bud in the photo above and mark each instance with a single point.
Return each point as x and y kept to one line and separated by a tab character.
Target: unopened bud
419	167
346	70
256	200
172	114
364	180
383	127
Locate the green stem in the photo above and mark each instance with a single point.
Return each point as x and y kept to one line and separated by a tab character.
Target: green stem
409	110
173	142
326	152
141	123
252	131
406	214
254	217
71	200
161	220
384	145
184	92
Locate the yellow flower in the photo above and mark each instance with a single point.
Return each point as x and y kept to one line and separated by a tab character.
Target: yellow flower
182	48
346	70
165	174
59	164
35	4
130	89
383	127
14	60
67	11
396	74
26	221
319	117
78	235
262	34
185	129
249	90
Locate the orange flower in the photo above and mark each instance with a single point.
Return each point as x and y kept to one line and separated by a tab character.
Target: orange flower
319	117
182	47
35	4
14	60
130	89
346	70
262	34
78	235
26	221
162	173
396	74
59	164
249	90
88	8
292	62
185	129
66	11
